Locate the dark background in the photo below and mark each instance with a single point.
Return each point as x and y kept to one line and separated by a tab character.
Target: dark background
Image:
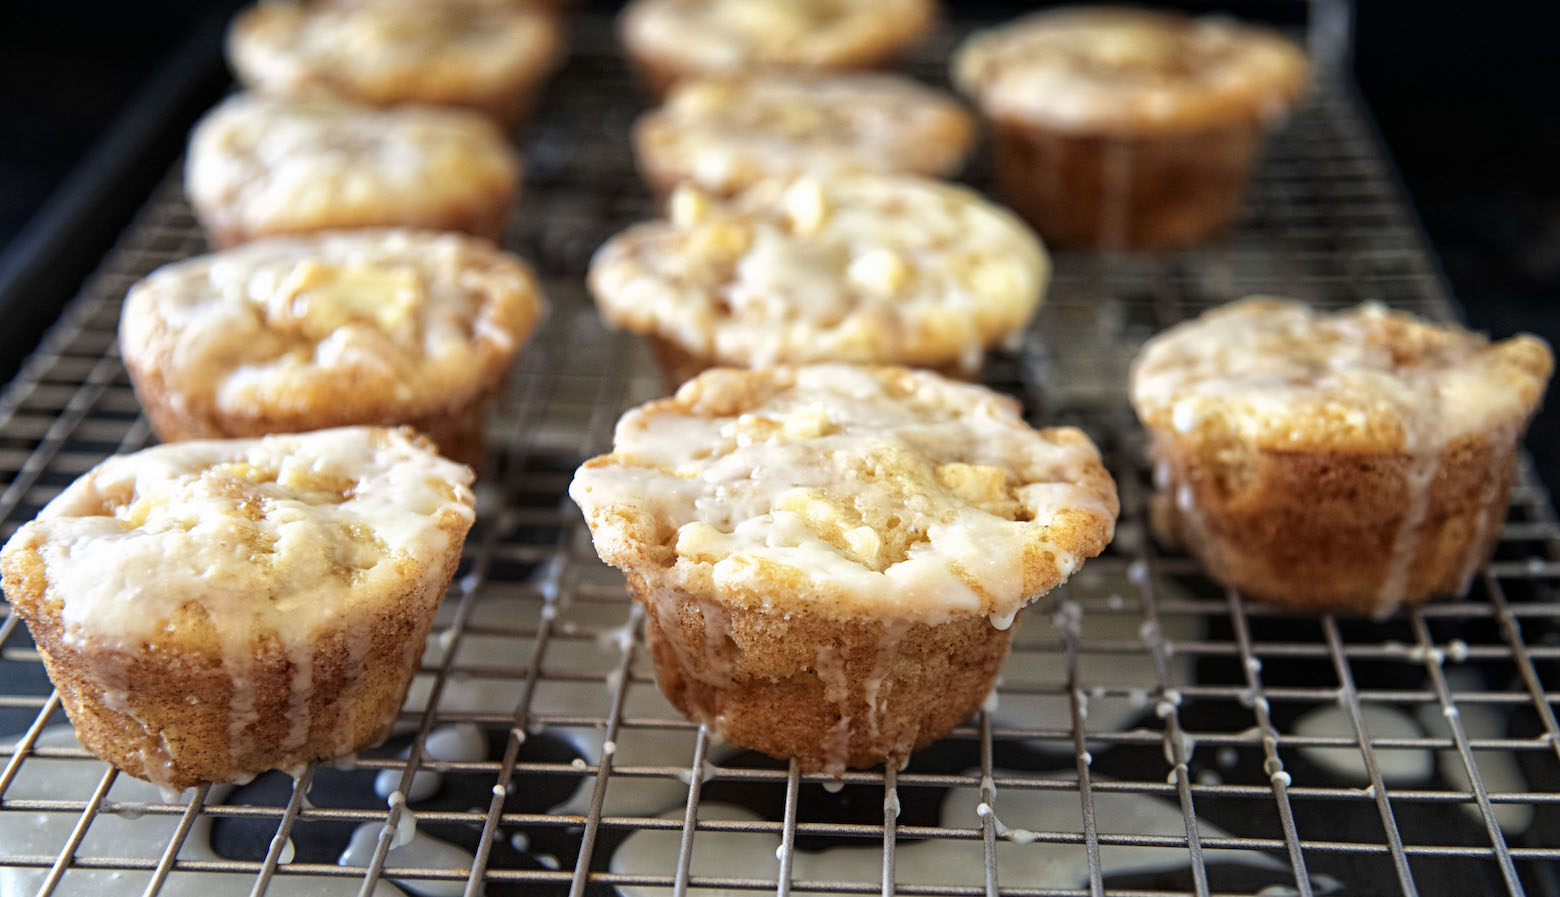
1463	93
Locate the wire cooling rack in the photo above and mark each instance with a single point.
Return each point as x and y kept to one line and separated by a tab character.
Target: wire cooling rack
1161	735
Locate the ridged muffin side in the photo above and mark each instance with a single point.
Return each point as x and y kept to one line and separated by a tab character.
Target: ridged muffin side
832	558
211	610
1354	461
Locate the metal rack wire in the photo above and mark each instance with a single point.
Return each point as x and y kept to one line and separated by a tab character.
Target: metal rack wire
1152	692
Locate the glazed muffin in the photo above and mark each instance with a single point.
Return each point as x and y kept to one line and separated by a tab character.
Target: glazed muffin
725	134
354	327
668	40
866	268
1353	461
831	558
1121	127
490	57
260	167
211	610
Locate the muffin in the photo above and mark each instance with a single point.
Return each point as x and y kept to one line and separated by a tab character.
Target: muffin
867	268
725	134
211	610
668	40
1117	127
260	167
490	57
831	558
1352	462
354	327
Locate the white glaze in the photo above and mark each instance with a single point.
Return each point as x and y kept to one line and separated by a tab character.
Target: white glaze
416	317
279	165
418	850
1277	375
1398	766
1121	673
128	832
1498	769
1258	367
402	52
725	134
830	668
628	795
276	537
458	743
1114	70
735	35
854	267
818	478
177	532
1020	858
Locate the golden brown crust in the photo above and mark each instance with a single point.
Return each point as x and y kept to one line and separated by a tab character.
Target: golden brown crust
1346	462
829	693
724	134
362	327
1128	128
670	40
170	702
260	166
209	611
1320	531
1288	377
492	58
456	430
957	508
485	217
678	365
1154	192
831	557
860	267
1125	72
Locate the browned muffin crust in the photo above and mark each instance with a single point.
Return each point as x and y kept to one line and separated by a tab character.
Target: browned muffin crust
1355	461
212	610
831	558
382	328
670	40
1128	128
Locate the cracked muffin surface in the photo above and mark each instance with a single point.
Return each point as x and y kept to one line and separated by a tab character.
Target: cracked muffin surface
832	559
870	268
350	327
260	166
1118	127
672	39
1282	374
488	56
1355	461
724	134
348	319
875	492
212	609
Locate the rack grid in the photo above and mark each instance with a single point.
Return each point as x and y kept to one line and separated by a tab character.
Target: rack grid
1162	735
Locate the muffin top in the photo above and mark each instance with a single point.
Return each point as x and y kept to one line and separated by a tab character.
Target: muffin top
1124	69
714	36
278	165
388	52
861	492
725	134
1284	376
861	267
405	321
274	535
